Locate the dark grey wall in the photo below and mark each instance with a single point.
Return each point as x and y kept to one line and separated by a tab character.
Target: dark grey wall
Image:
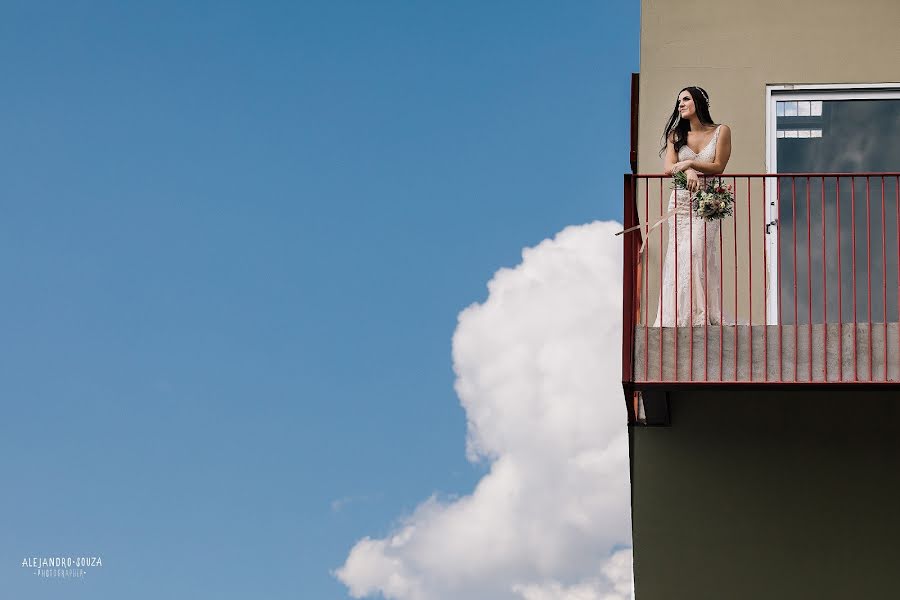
769	495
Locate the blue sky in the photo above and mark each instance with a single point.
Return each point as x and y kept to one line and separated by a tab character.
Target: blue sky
235	240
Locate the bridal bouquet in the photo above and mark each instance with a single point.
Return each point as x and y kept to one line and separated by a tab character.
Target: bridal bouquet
713	202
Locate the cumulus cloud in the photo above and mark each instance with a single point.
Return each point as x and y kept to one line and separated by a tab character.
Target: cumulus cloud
616	584
538	374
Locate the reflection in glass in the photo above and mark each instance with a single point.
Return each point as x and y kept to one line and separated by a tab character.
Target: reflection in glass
829	230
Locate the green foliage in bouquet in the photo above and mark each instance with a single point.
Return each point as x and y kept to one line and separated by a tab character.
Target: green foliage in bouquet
679	179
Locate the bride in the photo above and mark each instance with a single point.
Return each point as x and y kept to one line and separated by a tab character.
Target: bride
691	292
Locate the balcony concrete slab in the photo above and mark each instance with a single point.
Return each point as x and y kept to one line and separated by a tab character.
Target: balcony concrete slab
758	353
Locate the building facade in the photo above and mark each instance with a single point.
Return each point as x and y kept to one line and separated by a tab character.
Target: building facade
765	451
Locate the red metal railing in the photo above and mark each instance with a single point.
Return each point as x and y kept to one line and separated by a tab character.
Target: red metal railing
798	287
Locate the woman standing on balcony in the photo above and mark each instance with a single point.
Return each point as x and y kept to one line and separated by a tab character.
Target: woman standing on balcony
694	144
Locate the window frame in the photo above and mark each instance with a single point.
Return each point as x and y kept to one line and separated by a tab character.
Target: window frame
814	91
819	91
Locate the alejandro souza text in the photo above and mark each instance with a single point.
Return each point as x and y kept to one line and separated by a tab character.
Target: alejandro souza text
64	562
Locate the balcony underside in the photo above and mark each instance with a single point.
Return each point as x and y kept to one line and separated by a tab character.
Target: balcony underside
776	354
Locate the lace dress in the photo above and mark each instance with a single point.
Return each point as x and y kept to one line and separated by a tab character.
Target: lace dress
691	288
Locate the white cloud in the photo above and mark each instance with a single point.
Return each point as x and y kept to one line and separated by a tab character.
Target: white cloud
539	375
616	584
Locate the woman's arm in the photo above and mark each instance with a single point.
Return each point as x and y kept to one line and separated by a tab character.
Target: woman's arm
672	165
671	157
723	153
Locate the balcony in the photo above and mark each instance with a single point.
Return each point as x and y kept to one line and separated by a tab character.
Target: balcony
798	288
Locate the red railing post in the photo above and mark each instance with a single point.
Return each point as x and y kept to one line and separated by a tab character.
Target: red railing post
809	273
796	312
778	259
765	286
734	243
662	314
869	272
750	279
646	284
853	271
628	287
837	187
884	280
824	285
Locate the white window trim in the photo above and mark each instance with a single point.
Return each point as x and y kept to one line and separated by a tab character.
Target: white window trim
820	91
816	91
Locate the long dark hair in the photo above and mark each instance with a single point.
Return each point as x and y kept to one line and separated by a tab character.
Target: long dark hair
680	127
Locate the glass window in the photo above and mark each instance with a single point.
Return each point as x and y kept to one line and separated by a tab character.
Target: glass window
858	134
863	135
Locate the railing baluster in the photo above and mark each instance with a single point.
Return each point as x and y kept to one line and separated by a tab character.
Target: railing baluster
884	343
734	245
691	290
675	288
646	238
796	314
809	273
840	287
765	242
750	280
706	308
853	271
721	306
824	285
778	291
662	254
869	271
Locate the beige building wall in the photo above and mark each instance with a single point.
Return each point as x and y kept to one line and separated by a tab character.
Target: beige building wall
733	49
769	493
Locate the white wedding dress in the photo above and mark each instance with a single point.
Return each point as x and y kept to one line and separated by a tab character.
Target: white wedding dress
691	288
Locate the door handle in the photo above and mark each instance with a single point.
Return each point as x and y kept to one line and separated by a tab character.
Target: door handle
771	223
